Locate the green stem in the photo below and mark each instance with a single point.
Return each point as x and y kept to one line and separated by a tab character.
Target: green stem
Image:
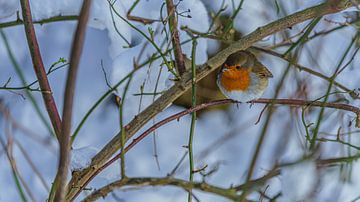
133	6
229	25
122	129
41	22
193	117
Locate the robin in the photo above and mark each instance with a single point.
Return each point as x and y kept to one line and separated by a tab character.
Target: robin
242	77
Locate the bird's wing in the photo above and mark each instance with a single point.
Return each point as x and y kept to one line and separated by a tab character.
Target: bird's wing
261	70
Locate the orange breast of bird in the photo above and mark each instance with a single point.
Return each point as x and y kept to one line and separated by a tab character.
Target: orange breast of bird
236	79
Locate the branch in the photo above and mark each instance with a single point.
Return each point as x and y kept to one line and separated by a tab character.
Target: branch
179	57
80	178
230	193
39	68
76	50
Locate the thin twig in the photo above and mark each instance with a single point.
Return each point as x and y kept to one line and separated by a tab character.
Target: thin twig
59	18
173	26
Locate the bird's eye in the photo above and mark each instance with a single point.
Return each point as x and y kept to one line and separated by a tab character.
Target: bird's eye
237	67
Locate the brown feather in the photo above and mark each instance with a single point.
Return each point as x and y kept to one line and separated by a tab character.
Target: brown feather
261	70
237	58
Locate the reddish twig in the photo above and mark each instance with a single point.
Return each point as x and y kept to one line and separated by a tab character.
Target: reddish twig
76	51
39	68
179	57
290	102
299	103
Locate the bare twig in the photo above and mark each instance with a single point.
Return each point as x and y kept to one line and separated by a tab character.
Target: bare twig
173	26
76	50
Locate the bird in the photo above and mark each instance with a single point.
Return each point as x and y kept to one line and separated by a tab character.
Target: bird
242	77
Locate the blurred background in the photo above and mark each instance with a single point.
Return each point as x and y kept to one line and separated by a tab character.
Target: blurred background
225	137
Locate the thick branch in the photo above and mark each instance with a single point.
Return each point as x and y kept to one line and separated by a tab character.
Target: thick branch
173	26
76	51
81	177
39	68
